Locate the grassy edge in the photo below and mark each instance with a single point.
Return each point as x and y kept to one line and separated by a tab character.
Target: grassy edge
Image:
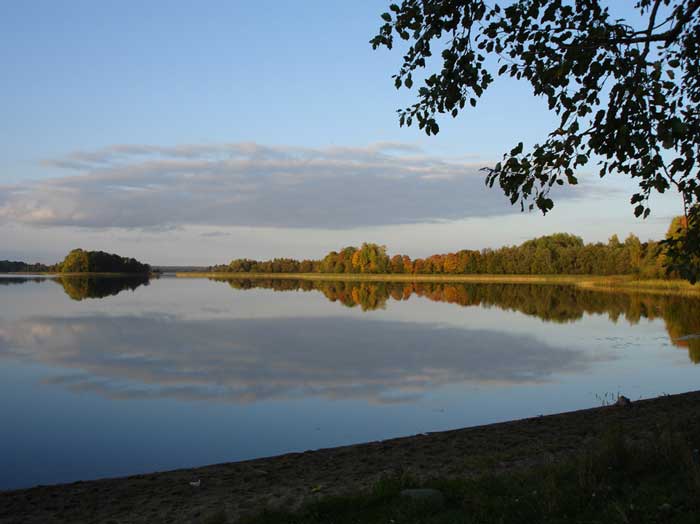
616	283
614	479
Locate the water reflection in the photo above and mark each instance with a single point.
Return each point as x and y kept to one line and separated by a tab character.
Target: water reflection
188	371
258	359
552	303
80	288
164	355
10	280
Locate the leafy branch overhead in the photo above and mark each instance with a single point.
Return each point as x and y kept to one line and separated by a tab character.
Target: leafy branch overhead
626	97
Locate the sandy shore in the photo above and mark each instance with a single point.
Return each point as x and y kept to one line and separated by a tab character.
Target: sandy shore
286	481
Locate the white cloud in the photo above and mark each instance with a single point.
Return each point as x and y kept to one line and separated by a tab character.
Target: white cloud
247	184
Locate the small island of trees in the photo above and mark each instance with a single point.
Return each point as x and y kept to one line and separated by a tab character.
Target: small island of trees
81	261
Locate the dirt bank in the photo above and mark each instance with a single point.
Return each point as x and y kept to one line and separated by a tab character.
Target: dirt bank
287	480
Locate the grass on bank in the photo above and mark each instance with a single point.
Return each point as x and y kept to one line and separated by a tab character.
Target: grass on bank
602	283
613	482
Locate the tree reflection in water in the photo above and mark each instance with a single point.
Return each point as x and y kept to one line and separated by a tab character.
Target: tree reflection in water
80	288
552	303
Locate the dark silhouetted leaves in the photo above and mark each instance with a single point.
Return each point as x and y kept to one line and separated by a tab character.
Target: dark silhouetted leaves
626	97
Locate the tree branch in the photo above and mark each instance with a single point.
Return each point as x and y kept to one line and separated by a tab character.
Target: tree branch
650	29
667	36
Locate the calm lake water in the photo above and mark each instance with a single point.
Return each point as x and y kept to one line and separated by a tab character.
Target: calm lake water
110	377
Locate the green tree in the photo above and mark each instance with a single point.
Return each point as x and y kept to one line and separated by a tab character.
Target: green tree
542	261
329	262
81	261
371	258
679	242
9	266
345	260
626	92
635	251
76	261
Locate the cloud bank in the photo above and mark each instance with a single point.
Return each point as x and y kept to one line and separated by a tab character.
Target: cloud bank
247	184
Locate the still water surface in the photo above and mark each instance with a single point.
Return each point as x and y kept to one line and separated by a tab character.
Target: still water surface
109	377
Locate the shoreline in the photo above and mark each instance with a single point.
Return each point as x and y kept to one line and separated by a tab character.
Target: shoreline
30	274
287	481
615	283
612	283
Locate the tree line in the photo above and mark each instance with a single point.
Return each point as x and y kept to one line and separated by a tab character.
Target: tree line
15	266
556	254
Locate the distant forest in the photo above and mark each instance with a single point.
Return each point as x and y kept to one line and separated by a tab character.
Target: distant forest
557	254
81	261
12	266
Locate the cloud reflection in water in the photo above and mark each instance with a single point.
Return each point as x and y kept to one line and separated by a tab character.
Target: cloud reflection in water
250	360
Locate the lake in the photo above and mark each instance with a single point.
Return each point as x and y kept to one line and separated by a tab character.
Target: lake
110	377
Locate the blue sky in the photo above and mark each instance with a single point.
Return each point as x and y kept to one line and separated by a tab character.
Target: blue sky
160	96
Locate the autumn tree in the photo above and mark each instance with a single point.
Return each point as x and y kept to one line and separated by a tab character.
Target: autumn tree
345	260
329	262
76	262
306	266
371	258
626	93
407	264
397	264
451	263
